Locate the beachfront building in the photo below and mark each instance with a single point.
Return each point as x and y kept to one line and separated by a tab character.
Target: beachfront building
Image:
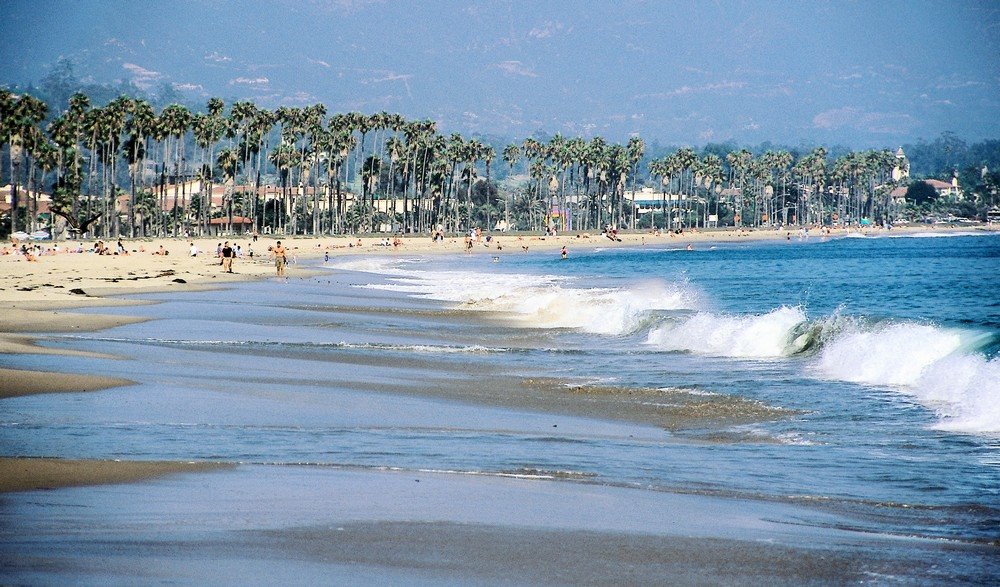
664	208
948	191
898	195
235	225
945	189
245	201
901	171
33	207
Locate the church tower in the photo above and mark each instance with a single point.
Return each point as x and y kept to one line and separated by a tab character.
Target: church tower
902	169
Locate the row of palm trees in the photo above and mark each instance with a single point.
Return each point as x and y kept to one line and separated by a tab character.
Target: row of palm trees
774	188
122	169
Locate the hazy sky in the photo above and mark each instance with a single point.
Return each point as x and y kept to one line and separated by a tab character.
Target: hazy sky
863	74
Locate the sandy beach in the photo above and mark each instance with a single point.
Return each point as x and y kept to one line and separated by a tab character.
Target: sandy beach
69	279
41	295
37	473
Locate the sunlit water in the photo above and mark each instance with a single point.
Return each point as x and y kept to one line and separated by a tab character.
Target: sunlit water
880	355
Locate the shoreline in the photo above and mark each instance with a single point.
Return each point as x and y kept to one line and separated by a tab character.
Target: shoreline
37	295
67	280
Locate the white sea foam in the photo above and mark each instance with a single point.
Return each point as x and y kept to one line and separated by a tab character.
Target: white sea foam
596	310
542	301
965	392
757	336
929	234
896	354
378	265
937	366
941	234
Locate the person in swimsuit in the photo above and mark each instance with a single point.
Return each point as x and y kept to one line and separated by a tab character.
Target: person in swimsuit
279	258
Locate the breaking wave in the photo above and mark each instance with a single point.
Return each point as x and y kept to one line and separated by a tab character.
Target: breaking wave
705	333
953	371
946	369
543	301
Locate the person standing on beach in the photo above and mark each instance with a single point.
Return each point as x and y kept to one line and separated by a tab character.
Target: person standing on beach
279	258
227	258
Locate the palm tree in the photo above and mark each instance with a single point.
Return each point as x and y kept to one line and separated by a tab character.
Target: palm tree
470	155
67	133
454	152
711	172
685	160
254	149
117	111
313	118
659	168
139	126
634	150
285	159
176	121
782	162
208	130
739	164
511	155
47	156
18	114
228	161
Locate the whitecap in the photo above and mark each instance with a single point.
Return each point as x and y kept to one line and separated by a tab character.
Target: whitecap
724	335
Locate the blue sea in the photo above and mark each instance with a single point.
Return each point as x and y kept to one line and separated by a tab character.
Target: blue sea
858	377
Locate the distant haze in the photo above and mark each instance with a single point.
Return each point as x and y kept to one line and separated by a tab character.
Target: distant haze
861	74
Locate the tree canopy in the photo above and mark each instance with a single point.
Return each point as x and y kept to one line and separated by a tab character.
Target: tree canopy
124	165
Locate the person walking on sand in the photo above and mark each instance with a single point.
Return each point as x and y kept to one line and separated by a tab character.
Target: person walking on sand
280	253
227	258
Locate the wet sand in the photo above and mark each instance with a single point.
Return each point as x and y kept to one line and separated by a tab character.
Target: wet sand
32	474
332	525
17	382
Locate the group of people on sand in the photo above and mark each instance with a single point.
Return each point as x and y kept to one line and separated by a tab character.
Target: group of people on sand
32	251
225	252
29	253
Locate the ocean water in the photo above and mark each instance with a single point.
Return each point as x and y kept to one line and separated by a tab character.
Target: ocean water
858	376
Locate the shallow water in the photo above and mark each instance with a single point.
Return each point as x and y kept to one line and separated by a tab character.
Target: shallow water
858	376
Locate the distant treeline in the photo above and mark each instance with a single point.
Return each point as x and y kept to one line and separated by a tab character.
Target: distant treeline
119	162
